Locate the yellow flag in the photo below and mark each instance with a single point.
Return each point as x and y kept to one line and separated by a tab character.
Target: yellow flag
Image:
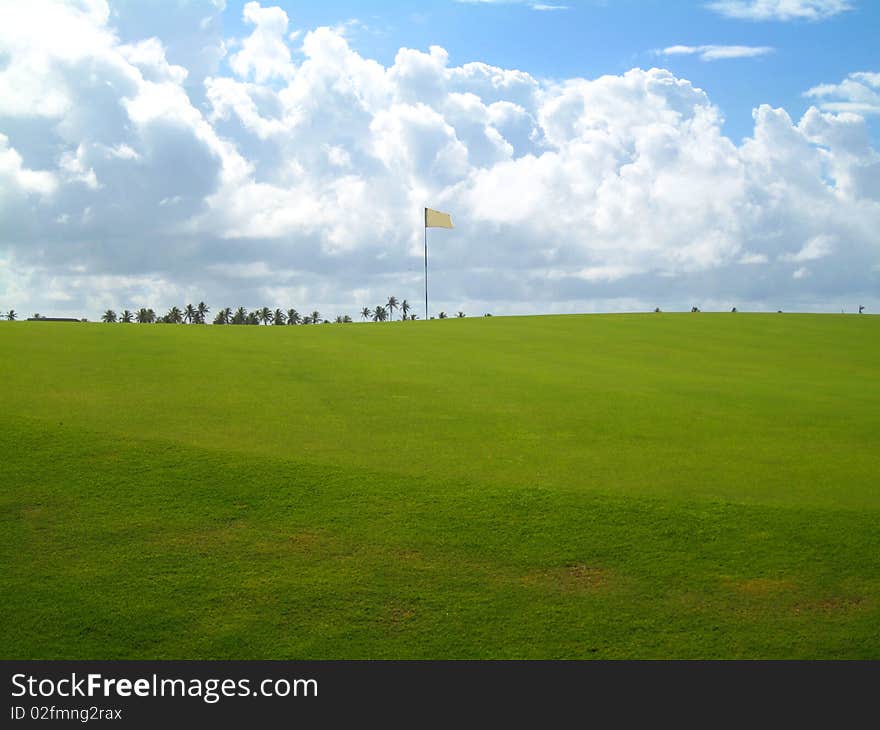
436	219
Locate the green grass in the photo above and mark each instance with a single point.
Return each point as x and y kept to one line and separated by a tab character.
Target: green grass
649	486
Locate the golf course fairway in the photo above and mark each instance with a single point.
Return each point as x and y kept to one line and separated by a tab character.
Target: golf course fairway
582	486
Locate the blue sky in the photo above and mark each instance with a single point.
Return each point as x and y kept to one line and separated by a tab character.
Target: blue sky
608	156
594	37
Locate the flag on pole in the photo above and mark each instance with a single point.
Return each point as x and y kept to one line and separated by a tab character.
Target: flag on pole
436	219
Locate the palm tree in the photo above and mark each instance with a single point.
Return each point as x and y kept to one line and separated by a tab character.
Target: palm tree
405	307
338	319
316	317
413	317
392	305
219	318
108	316
240	316
11	315
202	311
127	317
278	317
189	313
307	320
460	315
142	316
442	315
293	317
265	315
365	313
253	318
346	319
380	314
174	316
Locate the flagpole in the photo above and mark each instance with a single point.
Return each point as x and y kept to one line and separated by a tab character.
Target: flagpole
426	264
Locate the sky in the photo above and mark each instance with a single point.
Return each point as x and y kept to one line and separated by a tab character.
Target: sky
595	155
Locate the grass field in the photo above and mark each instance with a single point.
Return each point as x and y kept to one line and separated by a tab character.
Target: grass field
651	486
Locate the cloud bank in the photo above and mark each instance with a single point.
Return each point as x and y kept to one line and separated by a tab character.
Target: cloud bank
293	174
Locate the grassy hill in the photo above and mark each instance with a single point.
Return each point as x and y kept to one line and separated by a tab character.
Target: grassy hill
670	485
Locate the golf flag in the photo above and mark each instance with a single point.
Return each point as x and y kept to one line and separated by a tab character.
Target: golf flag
436	219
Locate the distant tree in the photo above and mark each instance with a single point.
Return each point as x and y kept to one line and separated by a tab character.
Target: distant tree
189	314
11	315
127	317
380	314
366	313
265	315
40	316
316	317
442	315
338	319
240	316
460	315
346	319
487	314
657	310
253	318
219	318
413	317
278	317
293	317
108	316
695	309
202	312
307	319
778	311
392	305
142	317
226	313
861	308
733	309
174	316
405	307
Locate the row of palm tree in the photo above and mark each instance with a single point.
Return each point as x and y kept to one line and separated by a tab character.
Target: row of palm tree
197	314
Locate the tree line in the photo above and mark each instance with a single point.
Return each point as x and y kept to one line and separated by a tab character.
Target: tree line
198	314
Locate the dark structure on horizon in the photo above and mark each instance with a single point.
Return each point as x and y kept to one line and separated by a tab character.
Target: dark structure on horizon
53	319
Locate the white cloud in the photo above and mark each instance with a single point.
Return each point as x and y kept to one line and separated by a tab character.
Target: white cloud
264	54
307	181
780	9
858	93
753	258
15	178
717	53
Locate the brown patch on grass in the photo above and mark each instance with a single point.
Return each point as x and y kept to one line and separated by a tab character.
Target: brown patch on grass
763	586
306	540
834	605
397	615
569	578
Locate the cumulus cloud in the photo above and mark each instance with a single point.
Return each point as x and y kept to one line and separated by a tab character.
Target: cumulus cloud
717	53
780	9
264	54
297	177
